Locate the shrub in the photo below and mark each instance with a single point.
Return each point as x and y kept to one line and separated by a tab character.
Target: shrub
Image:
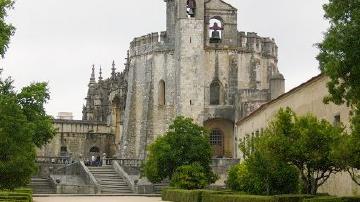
189	177
262	175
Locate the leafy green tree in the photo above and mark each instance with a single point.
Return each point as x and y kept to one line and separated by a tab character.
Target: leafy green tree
6	30
340	60
23	125
184	143
311	145
261	172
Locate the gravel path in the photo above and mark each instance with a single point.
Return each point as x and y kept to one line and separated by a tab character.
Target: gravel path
98	199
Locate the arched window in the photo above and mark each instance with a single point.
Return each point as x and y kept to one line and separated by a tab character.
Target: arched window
162	93
215	93
191	8
215	29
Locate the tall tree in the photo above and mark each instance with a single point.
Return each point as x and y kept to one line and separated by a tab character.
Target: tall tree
23	126
6	30
339	59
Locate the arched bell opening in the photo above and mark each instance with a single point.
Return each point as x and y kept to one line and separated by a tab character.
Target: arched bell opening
221	132
216	28
191	8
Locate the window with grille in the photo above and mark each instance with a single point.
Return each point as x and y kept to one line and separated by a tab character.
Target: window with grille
216	137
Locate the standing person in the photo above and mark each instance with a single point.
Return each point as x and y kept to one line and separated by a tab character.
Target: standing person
98	161
92	163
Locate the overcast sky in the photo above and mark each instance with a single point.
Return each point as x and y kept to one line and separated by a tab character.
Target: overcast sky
58	40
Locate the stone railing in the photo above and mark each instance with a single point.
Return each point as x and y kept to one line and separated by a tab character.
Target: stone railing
53	160
135	163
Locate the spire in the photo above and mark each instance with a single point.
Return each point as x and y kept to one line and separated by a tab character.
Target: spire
100	74
92	78
113	69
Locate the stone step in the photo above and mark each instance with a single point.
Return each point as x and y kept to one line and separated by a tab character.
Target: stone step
41	186
113	183
109	180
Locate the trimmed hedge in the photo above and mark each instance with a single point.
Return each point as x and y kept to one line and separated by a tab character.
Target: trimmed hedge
235	198
178	195
18	196
334	199
292	197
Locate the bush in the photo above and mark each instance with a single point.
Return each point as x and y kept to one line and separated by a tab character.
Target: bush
189	177
263	176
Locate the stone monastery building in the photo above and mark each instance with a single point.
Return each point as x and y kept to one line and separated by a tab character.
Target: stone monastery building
200	67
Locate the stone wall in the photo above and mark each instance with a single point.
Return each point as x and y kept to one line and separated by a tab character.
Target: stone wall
78	137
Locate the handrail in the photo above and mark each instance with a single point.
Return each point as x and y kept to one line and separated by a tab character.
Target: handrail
91	178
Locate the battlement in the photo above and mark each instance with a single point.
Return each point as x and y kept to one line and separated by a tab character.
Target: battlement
147	43
253	94
252	42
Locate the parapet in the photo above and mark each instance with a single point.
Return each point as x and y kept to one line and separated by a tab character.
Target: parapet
148	43
252	42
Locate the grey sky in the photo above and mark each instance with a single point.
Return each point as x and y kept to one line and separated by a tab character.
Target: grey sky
58	40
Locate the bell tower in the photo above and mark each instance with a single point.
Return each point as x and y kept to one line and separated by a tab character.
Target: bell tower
189	57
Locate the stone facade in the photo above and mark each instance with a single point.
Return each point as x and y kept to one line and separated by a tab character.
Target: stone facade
306	98
80	140
181	72
200	67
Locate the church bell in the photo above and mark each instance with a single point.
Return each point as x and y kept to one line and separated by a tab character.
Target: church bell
215	37
191	12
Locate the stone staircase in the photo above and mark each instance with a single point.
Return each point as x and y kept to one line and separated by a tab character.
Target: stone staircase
109	180
41	186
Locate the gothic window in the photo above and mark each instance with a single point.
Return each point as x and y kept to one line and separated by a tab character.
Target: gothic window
215	29
162	93
215	93
191	8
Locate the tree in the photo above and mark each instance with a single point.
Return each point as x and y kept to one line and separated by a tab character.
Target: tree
23	125
6	30
184	143
339	59
261	172
311	145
